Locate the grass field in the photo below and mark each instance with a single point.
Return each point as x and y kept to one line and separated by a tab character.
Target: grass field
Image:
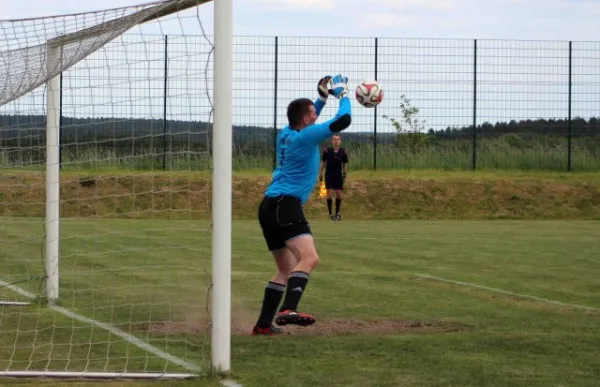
511	152
381	320
392	195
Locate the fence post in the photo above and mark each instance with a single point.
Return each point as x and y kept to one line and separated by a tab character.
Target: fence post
474	161
569	121
166	76
275	86
375	112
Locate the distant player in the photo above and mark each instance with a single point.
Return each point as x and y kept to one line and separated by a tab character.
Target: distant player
280	214
334	162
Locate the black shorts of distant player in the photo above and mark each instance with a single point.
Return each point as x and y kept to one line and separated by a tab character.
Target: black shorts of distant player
334	181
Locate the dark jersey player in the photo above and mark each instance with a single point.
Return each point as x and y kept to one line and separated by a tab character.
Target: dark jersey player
334	162
280	214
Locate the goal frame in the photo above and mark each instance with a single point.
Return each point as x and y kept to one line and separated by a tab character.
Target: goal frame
221	187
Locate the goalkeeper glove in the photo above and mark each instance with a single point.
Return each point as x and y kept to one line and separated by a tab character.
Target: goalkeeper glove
323	88
340	86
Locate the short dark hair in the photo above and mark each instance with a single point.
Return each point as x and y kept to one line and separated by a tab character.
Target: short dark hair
297	109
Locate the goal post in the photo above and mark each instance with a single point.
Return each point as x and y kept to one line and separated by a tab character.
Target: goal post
222	186
54	59
42	64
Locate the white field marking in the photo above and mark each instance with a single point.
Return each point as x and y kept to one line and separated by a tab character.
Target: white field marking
230	383
505	292
14	303
93	375
112	329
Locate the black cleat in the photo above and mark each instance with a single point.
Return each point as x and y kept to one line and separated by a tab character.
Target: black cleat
287	317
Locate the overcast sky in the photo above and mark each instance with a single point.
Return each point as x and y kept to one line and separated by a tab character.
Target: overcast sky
483	19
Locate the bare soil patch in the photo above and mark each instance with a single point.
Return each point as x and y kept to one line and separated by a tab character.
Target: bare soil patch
331	327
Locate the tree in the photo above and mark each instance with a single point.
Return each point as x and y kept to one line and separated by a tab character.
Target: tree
408	123
411	130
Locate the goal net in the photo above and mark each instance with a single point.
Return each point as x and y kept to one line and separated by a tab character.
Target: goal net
106	220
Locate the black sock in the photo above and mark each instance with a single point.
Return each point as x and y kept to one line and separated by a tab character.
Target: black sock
295	289
329	205
338	204
273	294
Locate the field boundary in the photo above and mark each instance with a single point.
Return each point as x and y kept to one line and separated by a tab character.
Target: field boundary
112	329
508	293
427	196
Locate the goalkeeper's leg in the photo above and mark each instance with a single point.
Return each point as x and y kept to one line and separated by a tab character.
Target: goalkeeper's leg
285	261
286	229
304	250
274	291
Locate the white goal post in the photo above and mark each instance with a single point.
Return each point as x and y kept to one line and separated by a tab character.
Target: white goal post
57	61
222	186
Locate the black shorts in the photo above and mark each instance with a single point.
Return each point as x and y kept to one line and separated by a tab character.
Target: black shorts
334	182
282	219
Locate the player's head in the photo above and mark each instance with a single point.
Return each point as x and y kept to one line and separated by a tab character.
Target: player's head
301	113
336	140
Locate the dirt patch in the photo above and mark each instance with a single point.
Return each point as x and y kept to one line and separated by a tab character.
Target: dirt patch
333	327
350	327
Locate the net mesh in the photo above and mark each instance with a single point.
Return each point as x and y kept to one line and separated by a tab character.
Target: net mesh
24	60
136	90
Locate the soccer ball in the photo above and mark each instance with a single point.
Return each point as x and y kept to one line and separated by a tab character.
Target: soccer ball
369	93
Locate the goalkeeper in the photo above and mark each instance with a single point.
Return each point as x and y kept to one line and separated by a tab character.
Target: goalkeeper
280	214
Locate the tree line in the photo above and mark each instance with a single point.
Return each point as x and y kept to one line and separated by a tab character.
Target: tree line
29	130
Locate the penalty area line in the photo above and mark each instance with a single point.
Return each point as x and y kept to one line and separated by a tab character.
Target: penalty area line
508	293
112	329
230	383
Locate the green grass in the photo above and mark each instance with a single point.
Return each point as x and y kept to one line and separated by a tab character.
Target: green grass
550	154
186	195
131	272
363	174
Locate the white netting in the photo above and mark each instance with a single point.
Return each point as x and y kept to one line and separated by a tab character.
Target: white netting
24	61
135	121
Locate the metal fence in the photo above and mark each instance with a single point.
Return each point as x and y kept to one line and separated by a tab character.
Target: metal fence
145	101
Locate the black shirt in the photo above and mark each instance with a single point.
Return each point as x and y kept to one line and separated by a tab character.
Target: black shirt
334	161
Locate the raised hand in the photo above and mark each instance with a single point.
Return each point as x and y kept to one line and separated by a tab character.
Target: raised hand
323	88
340	86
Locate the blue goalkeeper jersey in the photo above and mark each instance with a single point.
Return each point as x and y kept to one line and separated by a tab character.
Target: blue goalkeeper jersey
298	155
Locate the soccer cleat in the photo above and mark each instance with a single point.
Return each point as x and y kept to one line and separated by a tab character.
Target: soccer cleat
287	317
338	217
258	331
331	217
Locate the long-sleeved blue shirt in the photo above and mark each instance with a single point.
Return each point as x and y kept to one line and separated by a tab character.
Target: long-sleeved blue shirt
298	154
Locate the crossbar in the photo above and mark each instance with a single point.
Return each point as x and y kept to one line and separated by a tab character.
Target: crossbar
162	9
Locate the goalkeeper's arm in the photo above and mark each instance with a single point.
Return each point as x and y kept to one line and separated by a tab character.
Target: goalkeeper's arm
319	105
317	133
314	134
323	90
